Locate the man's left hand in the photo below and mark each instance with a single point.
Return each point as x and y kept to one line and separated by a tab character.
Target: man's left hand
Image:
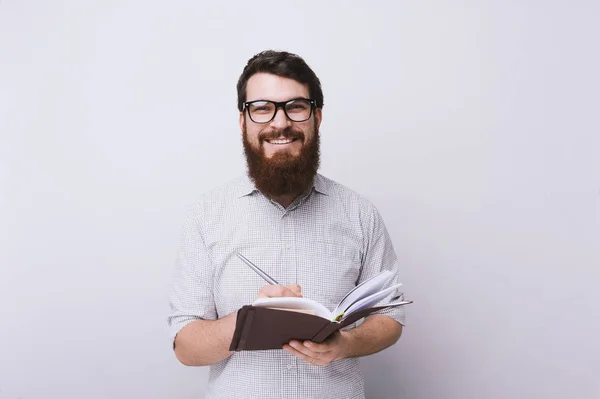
319	354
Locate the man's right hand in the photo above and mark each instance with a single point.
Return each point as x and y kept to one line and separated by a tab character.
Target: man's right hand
274	291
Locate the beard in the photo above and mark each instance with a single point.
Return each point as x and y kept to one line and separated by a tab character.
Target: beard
283	173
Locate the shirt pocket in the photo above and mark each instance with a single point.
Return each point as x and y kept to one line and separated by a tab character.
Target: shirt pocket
336	250
332	270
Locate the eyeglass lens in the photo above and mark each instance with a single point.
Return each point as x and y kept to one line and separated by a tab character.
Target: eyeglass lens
296	110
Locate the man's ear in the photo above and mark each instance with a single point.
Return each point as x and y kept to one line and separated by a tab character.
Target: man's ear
242	122
318	116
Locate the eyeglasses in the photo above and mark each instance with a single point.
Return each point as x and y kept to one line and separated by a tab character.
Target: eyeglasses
296	110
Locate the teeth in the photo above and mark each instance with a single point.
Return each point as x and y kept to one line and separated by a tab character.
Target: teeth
282	141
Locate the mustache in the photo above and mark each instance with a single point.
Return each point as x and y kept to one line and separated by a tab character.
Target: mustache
287	133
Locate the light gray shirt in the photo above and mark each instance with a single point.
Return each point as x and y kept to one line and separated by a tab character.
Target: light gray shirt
327	241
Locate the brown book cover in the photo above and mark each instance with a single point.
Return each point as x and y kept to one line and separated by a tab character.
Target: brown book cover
260	328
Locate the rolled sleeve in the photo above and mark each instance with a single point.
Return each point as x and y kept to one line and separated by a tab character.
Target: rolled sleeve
191	294
379	255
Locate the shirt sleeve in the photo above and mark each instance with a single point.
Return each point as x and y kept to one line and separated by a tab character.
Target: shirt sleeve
379	255
191	295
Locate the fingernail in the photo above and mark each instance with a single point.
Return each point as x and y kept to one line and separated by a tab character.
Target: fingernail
307	344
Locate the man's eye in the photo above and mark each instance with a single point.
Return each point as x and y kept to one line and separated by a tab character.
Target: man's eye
261	108
296	107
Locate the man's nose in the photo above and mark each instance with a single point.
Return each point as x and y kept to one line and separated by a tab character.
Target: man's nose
280	120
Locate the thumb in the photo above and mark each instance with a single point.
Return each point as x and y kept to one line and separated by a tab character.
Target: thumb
295	288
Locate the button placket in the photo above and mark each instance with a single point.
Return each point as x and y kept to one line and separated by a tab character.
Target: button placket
287	248
289	378
289	363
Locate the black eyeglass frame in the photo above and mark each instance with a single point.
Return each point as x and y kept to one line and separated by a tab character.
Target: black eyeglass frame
280	104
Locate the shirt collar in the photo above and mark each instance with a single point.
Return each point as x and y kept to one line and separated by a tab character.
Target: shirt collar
247	186
320	184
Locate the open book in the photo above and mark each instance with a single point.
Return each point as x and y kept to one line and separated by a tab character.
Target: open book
360	297
271	322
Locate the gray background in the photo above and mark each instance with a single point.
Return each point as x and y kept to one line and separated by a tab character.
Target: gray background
473	126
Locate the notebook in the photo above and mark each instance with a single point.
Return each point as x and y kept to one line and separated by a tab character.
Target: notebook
269	323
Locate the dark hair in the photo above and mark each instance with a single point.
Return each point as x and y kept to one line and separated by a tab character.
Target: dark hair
284	64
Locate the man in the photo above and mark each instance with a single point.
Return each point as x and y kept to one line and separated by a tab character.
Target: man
314	235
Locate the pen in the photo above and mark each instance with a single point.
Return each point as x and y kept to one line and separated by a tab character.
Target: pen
264	275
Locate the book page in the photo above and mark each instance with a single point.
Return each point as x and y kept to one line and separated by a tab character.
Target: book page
294	303
370	300
305	311
366	288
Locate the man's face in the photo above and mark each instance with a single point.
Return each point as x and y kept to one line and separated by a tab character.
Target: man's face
281	137
282	155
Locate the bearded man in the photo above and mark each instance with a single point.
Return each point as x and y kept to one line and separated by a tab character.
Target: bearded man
314	235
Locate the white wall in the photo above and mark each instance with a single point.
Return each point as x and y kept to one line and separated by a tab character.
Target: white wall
473	126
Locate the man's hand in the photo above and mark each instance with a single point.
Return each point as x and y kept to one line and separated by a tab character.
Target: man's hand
319	354
273	291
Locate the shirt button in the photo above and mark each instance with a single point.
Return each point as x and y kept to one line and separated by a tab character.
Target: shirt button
290	366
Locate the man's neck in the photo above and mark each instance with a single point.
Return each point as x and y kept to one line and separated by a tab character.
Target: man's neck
286	199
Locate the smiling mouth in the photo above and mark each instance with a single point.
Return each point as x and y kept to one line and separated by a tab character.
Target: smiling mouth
280	141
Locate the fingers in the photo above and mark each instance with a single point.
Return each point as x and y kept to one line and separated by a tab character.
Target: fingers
307	354
303	355
295	288
303	349
274	291
317	348
332	343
